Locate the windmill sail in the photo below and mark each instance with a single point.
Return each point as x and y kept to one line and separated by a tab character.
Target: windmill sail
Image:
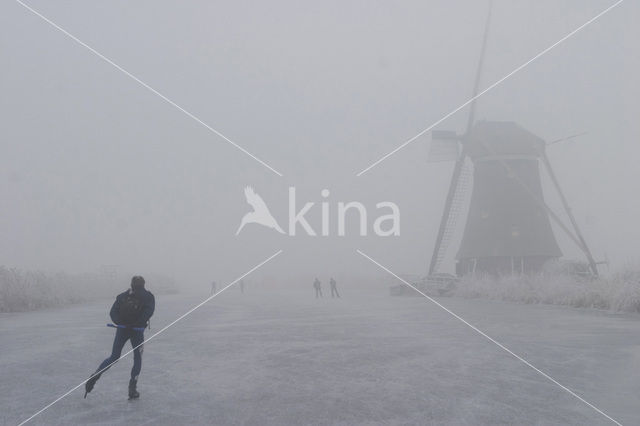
448	215
581	242
460	196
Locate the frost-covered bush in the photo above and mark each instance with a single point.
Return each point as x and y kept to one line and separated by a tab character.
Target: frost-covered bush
32	290
620	292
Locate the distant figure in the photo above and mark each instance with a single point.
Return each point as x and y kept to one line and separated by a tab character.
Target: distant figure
130	314
241	286
214	288
260	213
318	287
334	288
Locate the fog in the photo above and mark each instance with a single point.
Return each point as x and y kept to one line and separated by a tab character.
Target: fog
97	170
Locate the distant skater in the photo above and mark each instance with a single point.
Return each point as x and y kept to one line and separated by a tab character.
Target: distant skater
241	286
334	288
214	288
318	287
130	314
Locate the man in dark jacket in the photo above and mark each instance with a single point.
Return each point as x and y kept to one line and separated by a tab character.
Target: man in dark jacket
130	313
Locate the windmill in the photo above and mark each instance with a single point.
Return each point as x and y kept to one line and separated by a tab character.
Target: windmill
508	226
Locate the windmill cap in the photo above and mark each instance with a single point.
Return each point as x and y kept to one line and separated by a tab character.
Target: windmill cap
491	138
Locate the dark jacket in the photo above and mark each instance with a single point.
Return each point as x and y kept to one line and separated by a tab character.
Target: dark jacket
148	306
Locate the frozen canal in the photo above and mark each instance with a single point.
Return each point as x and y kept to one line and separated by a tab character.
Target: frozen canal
276	359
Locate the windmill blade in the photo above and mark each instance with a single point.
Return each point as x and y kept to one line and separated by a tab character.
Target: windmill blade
581	241
566	138
438	250
476	84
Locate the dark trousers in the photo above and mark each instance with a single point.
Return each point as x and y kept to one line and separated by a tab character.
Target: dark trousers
122	335
318	292
334	290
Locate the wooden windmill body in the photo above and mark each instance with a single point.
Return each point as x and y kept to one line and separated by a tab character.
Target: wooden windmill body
506	230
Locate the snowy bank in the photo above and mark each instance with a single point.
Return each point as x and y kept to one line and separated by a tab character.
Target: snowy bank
33	290
620	292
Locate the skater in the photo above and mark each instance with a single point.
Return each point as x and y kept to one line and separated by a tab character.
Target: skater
334	288
241	286
214	288
130	313
318	287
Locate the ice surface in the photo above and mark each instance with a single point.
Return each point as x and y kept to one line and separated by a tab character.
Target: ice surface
280	359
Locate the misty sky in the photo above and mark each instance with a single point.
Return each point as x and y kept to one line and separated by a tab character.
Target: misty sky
95	169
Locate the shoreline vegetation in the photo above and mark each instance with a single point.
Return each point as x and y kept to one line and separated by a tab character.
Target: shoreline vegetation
619	292
22	291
